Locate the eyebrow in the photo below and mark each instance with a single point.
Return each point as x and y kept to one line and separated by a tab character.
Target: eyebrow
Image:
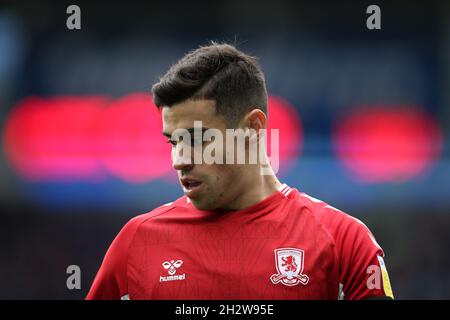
190	130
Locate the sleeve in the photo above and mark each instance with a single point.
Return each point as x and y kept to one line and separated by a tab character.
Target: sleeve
363	272
111	282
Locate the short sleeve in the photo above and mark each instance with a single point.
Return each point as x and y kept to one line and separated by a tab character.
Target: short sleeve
363	272
111	283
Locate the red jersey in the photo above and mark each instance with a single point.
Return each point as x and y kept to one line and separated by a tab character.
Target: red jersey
288	246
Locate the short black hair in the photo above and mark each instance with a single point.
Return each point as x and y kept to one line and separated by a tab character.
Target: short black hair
219	72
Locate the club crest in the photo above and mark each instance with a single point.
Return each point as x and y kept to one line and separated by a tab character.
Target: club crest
289	264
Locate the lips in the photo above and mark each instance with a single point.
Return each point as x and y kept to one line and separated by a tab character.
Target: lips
191	187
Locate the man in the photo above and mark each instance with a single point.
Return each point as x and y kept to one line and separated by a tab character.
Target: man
238	232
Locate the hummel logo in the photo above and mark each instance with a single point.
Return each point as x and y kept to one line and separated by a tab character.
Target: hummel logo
171	268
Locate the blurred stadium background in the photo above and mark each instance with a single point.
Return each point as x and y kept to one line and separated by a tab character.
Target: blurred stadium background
364	118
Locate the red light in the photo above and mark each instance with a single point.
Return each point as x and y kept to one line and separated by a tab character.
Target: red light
383	144
130	140
52	139
284	117
83	138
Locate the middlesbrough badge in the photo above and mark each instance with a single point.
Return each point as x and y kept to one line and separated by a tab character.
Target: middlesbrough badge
289	264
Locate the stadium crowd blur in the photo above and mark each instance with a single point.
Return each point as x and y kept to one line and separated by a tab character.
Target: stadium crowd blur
364	118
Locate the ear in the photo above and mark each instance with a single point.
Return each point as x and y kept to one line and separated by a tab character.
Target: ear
256	120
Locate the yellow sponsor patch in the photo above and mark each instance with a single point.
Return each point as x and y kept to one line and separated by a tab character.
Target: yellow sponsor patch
384	275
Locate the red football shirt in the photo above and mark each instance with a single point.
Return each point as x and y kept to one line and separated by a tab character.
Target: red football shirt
288	246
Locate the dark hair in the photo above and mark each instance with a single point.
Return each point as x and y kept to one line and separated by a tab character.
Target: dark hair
218	72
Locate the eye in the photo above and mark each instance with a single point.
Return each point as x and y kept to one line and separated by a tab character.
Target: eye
172	142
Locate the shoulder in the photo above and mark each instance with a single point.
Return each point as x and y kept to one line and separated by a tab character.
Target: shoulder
111	281
358	253
325	212
344	229
134	223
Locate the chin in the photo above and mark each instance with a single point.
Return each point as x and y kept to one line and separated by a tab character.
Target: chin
200	205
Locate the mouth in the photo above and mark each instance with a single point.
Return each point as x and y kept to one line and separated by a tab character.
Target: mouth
191	187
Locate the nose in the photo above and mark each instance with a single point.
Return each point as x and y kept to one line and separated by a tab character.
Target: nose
182	158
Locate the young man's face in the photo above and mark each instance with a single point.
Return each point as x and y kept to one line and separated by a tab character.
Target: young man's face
208	186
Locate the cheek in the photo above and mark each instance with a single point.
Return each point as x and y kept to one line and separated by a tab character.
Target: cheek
213	175
224	177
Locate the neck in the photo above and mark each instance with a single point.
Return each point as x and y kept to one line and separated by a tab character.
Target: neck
256	187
